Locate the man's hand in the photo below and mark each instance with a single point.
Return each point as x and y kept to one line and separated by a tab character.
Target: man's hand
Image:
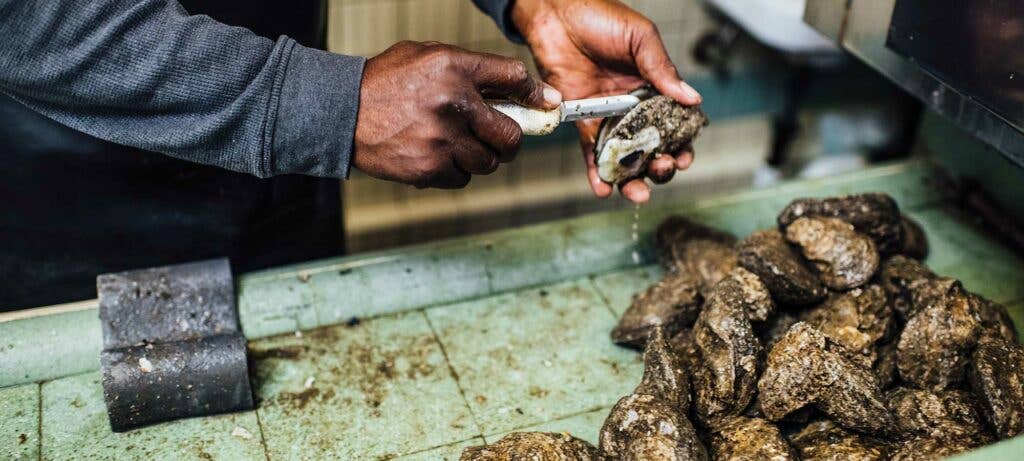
422	116
588	48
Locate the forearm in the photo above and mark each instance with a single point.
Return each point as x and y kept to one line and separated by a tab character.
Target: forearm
144	73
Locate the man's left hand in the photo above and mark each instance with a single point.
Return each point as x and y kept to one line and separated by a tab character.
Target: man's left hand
590	48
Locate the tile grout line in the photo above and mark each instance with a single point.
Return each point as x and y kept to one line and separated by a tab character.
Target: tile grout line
39	420
434	448
602	297
454	375
263	436
555	420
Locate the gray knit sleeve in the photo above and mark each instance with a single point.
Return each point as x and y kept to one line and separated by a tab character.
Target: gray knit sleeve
145	73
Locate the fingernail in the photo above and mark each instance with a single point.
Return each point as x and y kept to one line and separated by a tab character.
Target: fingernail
552	96
690	93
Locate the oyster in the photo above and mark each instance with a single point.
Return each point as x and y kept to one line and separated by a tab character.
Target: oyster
884	367
651	422
997	377
536	446
915	243
806	367
932	449
741	287
823	440
664	373
844	258
943	414
897	276
857	320
781	269
777	325
741	438
645	427
873	214
688	246
657	125
672	302
725	381
995	319
937	341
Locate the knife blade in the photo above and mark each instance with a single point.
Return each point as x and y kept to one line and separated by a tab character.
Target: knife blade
538	122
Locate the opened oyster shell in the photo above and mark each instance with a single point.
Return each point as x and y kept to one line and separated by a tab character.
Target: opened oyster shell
657	125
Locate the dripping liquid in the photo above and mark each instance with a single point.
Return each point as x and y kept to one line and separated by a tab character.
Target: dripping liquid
636	233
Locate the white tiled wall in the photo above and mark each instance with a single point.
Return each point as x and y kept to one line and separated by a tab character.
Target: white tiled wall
546	182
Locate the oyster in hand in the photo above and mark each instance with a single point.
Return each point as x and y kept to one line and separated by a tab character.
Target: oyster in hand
806	367
844	258
535	446
658	125
767	254
673	303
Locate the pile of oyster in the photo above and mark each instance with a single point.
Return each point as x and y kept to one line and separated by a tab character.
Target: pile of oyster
824	338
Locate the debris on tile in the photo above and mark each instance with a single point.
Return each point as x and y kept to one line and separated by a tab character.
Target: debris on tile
241	433
145	365
309	383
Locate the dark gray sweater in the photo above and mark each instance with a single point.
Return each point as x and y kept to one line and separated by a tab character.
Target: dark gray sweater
146	74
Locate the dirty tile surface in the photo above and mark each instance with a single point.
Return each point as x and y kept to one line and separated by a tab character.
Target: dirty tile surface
75	426
617	288
19	422
376	389
536	355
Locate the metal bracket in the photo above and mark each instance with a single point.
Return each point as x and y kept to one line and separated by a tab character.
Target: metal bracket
171	344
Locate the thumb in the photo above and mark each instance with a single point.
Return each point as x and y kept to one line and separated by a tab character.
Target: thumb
656	67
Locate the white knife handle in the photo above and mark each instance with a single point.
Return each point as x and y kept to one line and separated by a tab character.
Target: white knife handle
534	122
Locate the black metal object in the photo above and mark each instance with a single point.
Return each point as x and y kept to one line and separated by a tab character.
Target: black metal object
171	344
975	47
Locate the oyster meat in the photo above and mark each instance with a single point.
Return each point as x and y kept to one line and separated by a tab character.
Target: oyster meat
740	438
997	377
781	269
873	214
823	440
535	446
937	341
657	125
806	367
844	258
673	302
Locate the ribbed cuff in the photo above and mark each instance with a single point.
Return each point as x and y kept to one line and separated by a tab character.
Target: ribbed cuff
315	121
501	12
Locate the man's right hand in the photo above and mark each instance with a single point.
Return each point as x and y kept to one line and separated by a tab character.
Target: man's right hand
422	116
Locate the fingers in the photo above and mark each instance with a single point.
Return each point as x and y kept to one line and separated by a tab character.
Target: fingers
661	168
656	67
496	130
684	160
636	190
449	176
473	156
588	132
507	78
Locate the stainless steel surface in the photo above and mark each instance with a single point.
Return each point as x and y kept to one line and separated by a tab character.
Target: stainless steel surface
864	32
609	106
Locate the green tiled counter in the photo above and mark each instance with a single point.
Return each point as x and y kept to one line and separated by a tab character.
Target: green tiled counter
418	352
